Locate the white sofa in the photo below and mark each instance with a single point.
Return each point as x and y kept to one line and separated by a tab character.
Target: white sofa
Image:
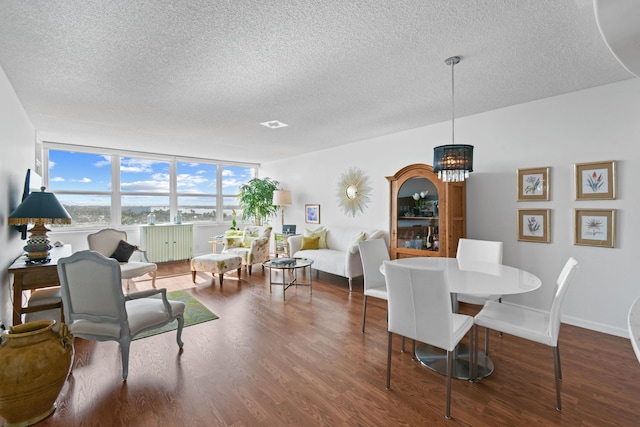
342	256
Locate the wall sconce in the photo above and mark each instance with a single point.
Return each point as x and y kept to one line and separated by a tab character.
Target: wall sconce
39	208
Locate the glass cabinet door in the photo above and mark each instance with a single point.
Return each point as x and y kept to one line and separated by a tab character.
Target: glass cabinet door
418	215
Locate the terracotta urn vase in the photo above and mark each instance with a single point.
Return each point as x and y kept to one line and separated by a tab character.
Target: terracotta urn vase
34	364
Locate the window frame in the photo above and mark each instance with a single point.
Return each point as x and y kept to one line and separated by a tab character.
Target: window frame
116	194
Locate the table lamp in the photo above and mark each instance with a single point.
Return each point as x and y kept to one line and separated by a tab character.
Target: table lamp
39	208
282	198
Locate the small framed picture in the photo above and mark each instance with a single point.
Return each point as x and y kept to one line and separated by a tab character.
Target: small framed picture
312	214
595	181
534	225
595	227
533	184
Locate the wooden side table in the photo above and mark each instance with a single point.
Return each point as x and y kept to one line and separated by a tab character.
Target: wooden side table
35	276
215	241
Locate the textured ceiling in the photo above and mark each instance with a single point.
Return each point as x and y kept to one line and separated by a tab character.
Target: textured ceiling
197	78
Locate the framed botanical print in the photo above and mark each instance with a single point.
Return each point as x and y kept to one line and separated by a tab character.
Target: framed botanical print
533	184
312	214
534	225
595	227
595	181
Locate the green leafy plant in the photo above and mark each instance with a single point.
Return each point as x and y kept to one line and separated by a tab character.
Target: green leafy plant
234	224
256	199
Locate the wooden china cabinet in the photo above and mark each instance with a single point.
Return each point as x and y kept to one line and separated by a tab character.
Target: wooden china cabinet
428	216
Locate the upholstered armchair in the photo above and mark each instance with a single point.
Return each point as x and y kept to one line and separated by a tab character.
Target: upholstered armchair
95	308
252	247
113	244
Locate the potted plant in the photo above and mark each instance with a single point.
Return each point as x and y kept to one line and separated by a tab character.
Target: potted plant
256	199
234	230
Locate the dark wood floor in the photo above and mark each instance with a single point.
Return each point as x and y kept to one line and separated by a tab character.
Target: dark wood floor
304	362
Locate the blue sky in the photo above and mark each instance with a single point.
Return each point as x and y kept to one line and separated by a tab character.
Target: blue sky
74	171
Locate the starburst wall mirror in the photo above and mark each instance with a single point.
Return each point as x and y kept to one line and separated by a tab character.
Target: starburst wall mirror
353	191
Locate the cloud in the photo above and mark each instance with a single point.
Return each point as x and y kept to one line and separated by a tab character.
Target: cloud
106	161
145	187
138	165
186	180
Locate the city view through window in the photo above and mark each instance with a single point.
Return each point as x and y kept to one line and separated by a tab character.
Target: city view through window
172	190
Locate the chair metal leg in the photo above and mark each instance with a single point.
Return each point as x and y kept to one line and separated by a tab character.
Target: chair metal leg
350	284
559	364
499	333
413	355
364	312
558	371
153	279
447	414
403	346
389	361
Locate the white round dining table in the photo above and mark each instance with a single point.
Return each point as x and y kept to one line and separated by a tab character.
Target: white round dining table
633	321
474	278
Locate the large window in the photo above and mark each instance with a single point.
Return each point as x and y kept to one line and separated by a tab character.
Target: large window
123	188
197	191
144	189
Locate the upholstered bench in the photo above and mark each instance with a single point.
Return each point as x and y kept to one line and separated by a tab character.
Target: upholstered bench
215	263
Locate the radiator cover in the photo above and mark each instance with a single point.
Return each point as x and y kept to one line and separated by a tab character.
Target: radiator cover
169	242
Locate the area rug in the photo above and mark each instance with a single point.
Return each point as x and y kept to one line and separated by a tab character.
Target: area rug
194	313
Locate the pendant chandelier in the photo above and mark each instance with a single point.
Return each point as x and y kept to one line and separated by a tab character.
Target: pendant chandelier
453	162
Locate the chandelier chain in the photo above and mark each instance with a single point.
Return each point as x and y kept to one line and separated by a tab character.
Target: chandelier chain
453	108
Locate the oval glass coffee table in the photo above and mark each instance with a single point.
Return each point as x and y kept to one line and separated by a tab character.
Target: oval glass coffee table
292	265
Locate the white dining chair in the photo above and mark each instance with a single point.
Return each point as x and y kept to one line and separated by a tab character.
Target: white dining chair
532	324
633	320
419	304
373	253
479	251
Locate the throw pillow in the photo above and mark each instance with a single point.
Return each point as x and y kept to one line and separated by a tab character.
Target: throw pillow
320	232
310	243
123	252
250	233
354	248
233	241
247	240
360	237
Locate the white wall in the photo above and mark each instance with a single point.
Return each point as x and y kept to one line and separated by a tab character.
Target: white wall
592	125
17	140
597	124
